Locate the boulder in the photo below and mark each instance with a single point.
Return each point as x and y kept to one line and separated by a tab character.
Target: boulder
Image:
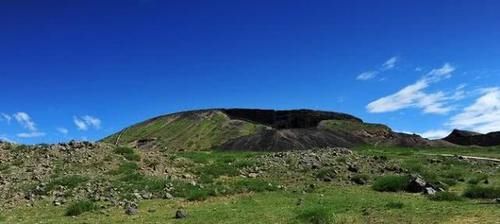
180	214
417	184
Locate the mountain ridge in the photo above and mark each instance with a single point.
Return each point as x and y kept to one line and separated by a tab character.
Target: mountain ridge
260	129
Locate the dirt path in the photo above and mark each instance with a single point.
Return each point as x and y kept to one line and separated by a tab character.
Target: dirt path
469	157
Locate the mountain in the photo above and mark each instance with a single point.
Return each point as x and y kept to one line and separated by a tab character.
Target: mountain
257	129
461	137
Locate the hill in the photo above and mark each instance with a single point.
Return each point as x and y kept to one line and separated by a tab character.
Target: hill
468	138
257	129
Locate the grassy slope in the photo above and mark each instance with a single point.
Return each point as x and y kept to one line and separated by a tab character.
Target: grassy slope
345	204
176	132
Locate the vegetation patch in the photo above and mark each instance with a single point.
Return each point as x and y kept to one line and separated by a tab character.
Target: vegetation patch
477	178
317	214
395	205
391	183
80	207
70	182
445	196
482	192
128	153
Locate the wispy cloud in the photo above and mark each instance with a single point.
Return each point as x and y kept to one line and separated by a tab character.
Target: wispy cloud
387	65
63	131
25	120
390	63
33	134
414	96
6	139
5	117
481	116
367	75
85	122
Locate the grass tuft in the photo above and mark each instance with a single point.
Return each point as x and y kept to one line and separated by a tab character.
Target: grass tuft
316	215
445	196
128	153
391	183
395	205
482	192
80	207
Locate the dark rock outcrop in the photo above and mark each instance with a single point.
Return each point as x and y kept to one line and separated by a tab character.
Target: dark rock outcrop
461	137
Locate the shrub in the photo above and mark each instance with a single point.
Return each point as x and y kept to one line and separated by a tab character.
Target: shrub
395	205
482	192
80	207
445	196
316	215
128	153
70	182
476	179
360	178
391	183
327	173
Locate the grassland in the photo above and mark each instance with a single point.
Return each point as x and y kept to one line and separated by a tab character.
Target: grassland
226	197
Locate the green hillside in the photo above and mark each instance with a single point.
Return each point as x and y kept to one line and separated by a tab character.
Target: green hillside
199	130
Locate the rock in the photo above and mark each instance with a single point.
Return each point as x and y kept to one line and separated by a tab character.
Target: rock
180	214
168	196
252	175
497	200
138	196
416	184
353	168
430	191
131	210
300	202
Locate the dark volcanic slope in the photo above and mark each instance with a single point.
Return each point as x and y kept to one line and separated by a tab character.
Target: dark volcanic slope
256	129
461	137
287	119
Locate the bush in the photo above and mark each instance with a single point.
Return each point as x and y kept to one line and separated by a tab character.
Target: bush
445	196
475	180
316	215
395	205
391	183
360	178
70	182
128	153
80	207
482	192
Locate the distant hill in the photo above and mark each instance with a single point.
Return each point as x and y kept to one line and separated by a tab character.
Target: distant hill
261	130
461	137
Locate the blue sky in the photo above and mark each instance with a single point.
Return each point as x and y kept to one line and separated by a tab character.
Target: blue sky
85	69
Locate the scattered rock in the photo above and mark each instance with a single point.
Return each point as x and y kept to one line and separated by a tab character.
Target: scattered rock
180	214
429	191
416	184
131	210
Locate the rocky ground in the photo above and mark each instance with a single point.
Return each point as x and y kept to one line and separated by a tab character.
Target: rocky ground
113	177
101	172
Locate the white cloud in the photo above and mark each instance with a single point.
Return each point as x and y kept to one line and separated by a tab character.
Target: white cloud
435	134
413	96
482	116
5	117
390	63
367	75
25	120
85	122
33	134
6	139
63	131
387	65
